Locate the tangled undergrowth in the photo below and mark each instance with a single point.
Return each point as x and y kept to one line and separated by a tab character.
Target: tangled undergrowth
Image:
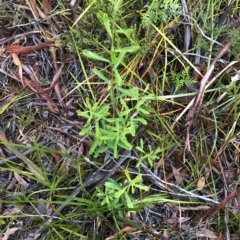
119	119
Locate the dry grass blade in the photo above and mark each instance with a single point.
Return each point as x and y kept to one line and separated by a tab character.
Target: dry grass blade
198	99
34	169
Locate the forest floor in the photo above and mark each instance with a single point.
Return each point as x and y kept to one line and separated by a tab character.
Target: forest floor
119	119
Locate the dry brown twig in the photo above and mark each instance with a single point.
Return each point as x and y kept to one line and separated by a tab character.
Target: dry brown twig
198	99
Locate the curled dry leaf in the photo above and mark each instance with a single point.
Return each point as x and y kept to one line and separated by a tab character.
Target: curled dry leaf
215	209
201	183
18	63
165	234
20	180
47	8
125	229
52	106
178	176
56	157
207	234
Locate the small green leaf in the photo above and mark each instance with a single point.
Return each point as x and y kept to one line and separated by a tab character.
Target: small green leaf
83	114
101	76
85	131
113	56
94	146
102	111
117	4
119	193
119	59
118	78
143	111
128	49
104	19
132	127
115	149
128	200
111	120
97	130
125	144
111	185
145	188
132	92
127	31
124	104
141	120
94	56
127	175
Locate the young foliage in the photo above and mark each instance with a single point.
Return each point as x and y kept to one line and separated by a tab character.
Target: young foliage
109	124
182	79
117	195
163	10
110	133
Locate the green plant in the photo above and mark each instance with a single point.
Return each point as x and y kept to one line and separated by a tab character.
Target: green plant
163	10
150	155
182	79
27	119
110	133
234	34
109	124
90	34
117	195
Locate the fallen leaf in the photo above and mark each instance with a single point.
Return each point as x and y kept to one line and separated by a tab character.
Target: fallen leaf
56	157
11	211
220	237
175	220
47	8
235	78
201	183
177	174
18	63
207	234
36	87
215	209
9	232
20	180
52	106
16	59
205	160
34	169
165	234
125	229
29	49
